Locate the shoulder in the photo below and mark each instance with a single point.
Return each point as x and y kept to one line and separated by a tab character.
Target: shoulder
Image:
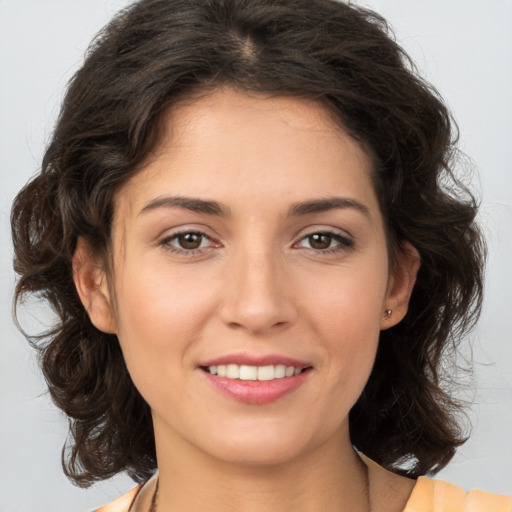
122	504
439	496
394	492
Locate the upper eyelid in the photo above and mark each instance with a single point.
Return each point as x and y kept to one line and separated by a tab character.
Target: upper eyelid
188	228
311	230
174	235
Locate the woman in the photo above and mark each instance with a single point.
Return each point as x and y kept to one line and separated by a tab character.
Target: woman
245	221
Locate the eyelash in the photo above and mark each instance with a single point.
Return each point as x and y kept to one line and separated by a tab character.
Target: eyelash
166	243
343	242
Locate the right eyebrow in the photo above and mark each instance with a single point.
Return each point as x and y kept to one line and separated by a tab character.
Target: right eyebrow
188	203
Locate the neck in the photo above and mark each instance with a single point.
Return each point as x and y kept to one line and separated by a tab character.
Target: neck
332	477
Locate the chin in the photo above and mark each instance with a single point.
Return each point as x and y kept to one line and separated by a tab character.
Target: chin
265	444
258	455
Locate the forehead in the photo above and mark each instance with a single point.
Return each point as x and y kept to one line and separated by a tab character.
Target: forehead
229	141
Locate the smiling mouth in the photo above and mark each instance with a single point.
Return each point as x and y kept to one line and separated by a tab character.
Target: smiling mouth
254	373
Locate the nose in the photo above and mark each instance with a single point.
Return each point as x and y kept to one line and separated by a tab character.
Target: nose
256	295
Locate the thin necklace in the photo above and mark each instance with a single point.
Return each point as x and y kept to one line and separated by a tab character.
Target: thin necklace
154	499
152	508
366	472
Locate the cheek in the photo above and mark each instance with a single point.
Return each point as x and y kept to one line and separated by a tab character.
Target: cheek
157	299
346	315
348	300
158	319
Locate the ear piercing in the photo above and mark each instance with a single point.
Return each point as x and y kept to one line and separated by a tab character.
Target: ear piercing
388	313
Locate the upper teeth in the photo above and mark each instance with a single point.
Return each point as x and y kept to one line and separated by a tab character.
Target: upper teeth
244	372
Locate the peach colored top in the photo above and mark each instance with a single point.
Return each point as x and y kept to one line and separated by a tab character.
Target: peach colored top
438	496
427	496
122	504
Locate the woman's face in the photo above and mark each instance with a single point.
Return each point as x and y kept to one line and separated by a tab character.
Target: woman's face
250	247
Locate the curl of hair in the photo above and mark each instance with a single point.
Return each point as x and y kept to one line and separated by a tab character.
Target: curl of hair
157	53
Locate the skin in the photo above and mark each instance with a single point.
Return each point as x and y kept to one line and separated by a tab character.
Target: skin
259	283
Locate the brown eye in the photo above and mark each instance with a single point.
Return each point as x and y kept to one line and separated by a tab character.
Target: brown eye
320	241
189	241
326	242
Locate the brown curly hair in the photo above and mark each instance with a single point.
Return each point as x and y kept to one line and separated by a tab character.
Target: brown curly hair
158	52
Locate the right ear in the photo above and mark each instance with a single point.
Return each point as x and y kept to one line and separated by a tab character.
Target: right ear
91	284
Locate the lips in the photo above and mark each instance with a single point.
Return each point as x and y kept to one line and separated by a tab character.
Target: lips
255	380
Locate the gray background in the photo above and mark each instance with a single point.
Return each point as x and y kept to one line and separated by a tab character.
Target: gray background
463	46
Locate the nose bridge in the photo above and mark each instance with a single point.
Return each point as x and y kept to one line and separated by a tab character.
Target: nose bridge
255	297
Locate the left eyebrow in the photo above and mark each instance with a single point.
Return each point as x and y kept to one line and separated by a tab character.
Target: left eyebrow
188	203
324	205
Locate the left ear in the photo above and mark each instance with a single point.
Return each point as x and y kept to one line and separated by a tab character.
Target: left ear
401	283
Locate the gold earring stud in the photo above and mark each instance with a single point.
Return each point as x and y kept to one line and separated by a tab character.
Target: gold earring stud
388	313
